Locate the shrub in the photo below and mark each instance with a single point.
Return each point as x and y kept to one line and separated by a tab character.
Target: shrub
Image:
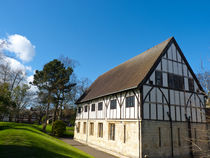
58	128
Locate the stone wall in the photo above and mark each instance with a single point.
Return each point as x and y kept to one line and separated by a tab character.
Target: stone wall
127	146
155	130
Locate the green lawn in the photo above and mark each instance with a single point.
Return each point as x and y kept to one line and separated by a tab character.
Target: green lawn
27	141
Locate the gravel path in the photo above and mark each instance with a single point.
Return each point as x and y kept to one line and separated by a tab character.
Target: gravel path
91	151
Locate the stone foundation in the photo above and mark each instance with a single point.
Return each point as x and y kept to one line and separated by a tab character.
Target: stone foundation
127	146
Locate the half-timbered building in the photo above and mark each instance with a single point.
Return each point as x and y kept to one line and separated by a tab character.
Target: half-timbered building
151	105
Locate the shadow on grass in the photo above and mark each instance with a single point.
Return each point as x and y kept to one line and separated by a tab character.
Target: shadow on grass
13	151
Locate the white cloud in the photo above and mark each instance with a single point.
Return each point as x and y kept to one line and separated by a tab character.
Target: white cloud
15	65
31	79
20	46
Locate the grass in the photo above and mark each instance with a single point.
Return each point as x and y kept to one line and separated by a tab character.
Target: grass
27	141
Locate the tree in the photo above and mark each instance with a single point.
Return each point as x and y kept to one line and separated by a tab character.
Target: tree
6	103
53	81
21	97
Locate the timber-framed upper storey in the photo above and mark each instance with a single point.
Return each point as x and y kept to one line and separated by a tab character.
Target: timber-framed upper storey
158	84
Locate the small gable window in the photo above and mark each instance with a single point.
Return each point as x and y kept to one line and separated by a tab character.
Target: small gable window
113	104
79	110
93	107
175	81
86	108
130	101
100	106
191	84
158	78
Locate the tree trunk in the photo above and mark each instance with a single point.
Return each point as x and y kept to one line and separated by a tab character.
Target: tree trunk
55	111
47	113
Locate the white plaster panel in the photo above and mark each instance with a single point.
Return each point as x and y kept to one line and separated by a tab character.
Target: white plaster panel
183	113
92	114
182	98
114	113
164	65
146	111
193	100
169	53
118	111
178	56
165	55
188	112
160	112
190	75
196	85
197	102
179	69
172	96
193	115
131	112
145	91
165	92
186	83
187	95
127	114
175	66
152	95
153	111
199	114
170	69
173	113
165	80
185	70
176	98
159	96
173	52
202	99
166	110
178	113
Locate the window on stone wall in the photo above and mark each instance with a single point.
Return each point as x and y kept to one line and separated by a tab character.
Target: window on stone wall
179	137
113	104
130	101
84	127
124	133
86	108
158	78
91	128
100	106
100	130
191	84
159	132
112	131
78	127
93	107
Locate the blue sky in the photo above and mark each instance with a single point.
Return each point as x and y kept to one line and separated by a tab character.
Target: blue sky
101	34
